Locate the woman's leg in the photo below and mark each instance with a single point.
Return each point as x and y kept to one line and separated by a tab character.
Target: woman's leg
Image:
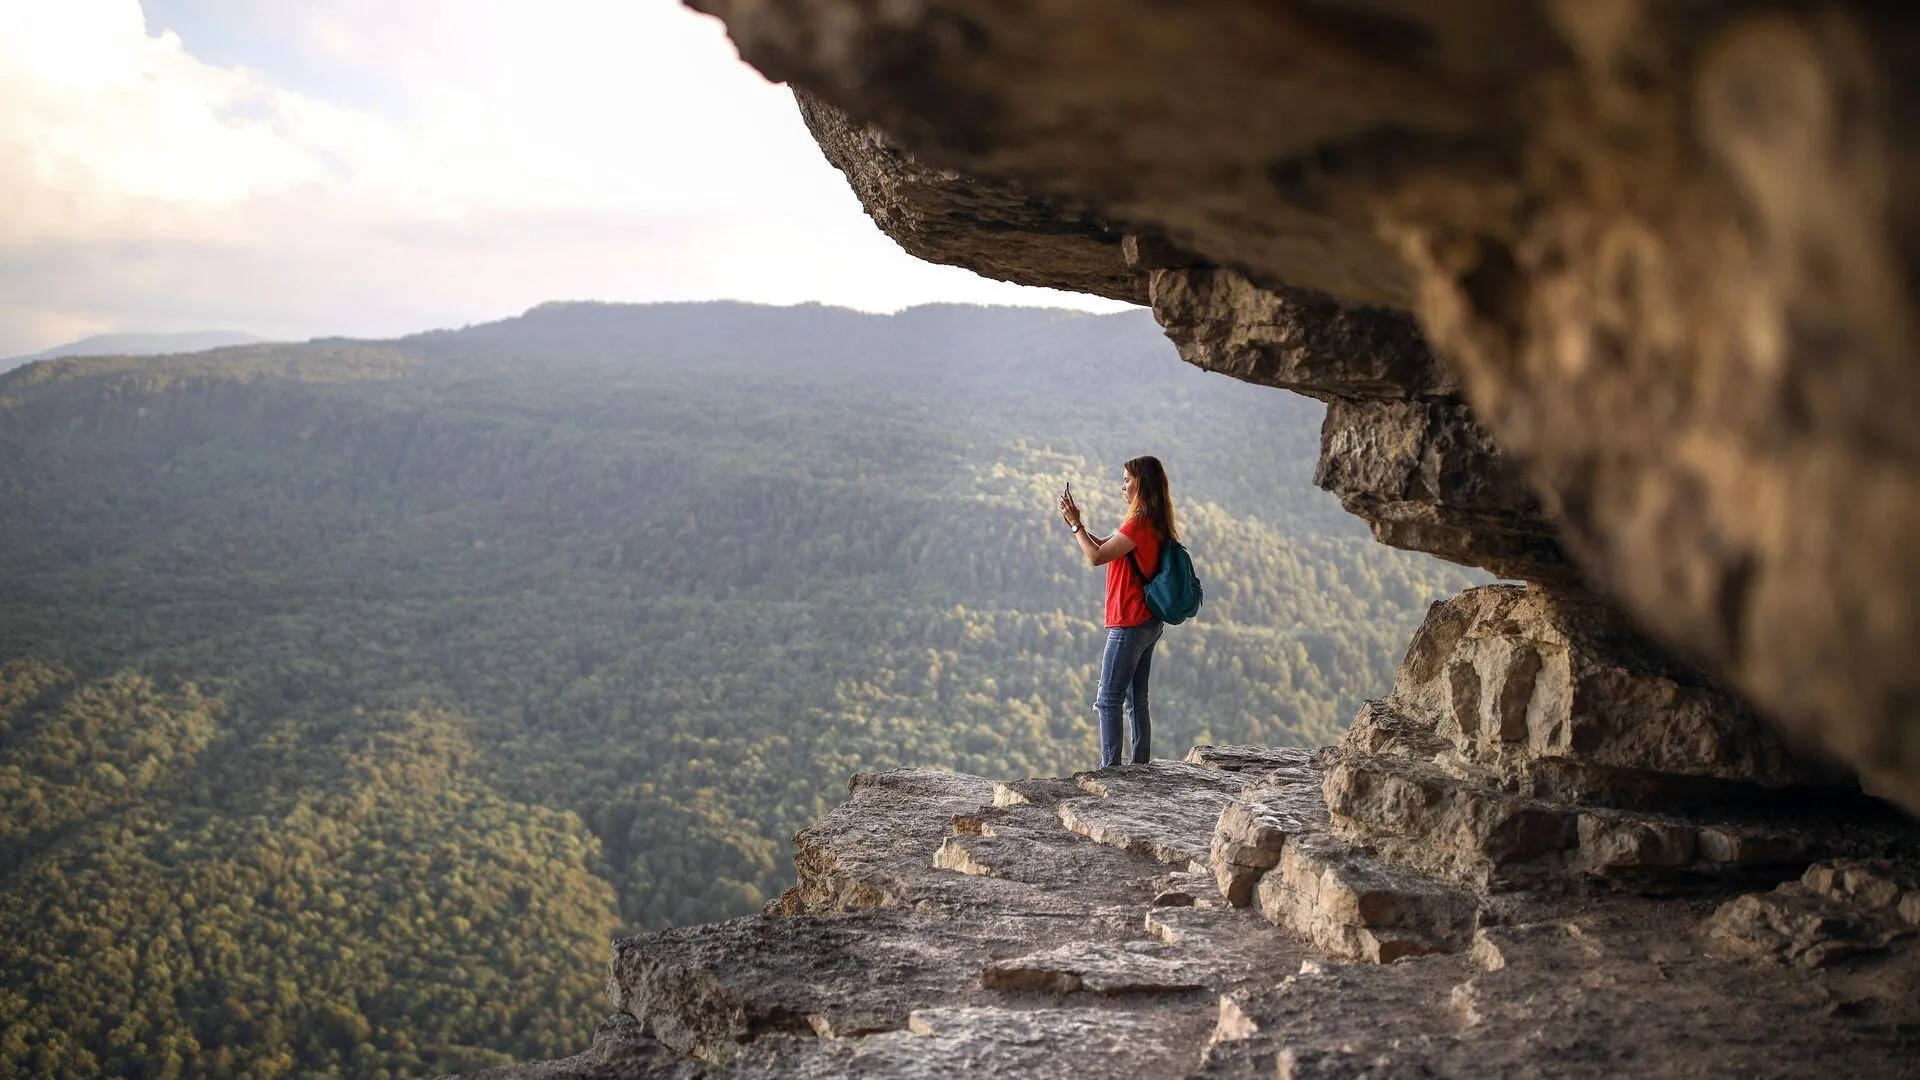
1140	716
1117	664
1107	700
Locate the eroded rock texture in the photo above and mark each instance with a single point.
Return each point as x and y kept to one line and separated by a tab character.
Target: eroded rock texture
1666	251
1533	741
991	229
945	925
1399	446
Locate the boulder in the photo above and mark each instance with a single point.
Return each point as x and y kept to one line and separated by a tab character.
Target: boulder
1835	913
1557	690
1344	900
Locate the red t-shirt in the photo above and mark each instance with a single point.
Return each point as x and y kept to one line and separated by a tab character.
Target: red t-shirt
1126	604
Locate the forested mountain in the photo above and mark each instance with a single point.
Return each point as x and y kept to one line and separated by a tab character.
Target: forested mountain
356	691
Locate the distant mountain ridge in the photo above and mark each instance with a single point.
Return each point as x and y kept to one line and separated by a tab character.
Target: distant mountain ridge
138	345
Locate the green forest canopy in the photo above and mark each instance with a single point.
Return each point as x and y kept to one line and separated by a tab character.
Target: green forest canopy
355	692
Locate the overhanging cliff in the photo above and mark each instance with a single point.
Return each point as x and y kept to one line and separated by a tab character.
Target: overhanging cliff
1664	252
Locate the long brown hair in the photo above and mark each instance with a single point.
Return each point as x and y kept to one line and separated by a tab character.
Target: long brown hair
1150	498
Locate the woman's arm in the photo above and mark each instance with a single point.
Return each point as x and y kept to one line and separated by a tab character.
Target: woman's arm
1099	550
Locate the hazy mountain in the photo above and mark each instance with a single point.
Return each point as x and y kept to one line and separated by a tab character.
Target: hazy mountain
137	345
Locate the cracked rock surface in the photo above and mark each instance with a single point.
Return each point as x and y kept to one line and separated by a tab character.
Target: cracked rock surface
1091	972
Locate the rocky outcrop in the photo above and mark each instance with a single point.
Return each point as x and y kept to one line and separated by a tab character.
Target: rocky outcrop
1836	912
1399	446
1557	693
991	229
1664	251
1529	739
948	925
1532	746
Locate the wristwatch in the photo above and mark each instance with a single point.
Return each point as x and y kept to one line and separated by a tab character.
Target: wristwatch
1076	527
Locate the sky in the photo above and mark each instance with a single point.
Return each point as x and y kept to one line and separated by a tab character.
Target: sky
297	168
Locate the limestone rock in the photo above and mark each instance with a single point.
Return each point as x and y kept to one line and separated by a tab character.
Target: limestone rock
1542	946
1379	728
704	992
1467	829
1254	832
1398	447
1036	791
1165	810
1295	339
1080	98
1250	835
1351	904
1755	846
1079	973
1041	858
1178	831
1533	738
1525	678
1236	882
1284	799
1188	889
1798	925
1613	841
1158	779
1257	760
1666	251
1616	989
1426	477
621	1051
993	229
863	853
1098	969
1874	884
983	1040
1338	1064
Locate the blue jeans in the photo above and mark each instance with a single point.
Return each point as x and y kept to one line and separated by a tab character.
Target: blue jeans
1123	681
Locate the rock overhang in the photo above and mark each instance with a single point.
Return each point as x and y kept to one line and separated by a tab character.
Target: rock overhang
1663	255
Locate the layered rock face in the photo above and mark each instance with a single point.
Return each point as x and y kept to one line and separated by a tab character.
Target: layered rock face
1399	446
1528	745
1664	250
1200	919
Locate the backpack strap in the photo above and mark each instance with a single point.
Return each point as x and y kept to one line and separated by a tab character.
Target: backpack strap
1133	560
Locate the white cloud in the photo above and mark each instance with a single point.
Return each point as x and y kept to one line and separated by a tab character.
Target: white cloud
502	154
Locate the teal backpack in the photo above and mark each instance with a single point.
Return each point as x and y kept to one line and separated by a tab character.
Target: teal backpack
1173	592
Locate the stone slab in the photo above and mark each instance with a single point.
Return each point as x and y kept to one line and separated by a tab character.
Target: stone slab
1172	826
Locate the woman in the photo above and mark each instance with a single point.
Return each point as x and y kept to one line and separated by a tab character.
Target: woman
1131	555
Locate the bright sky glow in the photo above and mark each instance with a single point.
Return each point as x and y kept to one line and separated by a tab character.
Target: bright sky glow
374	167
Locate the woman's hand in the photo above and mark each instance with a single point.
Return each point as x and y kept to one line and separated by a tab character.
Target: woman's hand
1069	510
